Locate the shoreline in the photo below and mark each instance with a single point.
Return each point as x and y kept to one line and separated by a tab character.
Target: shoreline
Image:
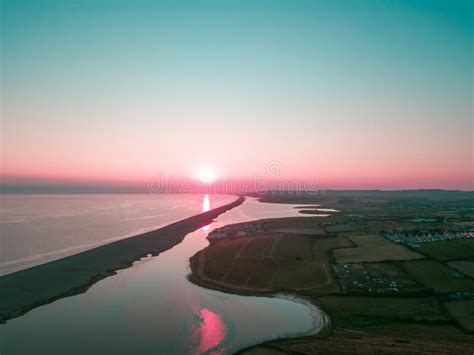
366	321
28	289
324	321
321	320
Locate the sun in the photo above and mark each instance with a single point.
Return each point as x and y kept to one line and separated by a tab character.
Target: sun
206	176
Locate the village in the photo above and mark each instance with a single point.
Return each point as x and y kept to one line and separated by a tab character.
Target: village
235	230
414	240
380	278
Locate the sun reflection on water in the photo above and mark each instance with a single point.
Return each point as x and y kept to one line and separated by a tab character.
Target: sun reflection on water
210	333
206	206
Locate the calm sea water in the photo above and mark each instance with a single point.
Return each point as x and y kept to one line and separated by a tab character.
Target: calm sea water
151	308
38	228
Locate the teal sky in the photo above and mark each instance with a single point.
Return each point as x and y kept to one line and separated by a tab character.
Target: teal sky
353	93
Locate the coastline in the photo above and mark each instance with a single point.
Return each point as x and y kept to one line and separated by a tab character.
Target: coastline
357	322
321	319
27	289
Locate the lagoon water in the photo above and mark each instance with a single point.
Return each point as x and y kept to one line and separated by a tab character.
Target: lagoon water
151	308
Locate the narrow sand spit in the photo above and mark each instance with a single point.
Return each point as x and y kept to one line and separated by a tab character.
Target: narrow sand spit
27	289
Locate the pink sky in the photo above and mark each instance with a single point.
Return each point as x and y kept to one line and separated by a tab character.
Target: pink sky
365	157
372	95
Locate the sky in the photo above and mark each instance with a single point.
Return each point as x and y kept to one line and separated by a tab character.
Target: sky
354	94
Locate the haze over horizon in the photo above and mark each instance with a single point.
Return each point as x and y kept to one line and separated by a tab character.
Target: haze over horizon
351	94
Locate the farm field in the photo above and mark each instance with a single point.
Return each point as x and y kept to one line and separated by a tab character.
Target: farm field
465	266
381	297
449	249
347	309
435	275
374	278
463	312
268	262
373	248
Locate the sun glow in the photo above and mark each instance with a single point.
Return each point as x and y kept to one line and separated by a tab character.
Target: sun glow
206	176
206	206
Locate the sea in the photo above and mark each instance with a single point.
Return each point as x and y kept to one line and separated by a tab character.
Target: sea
151	307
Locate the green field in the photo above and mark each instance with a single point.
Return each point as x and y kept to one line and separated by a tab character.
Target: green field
435	275
269	262
394	299
373	248
374	278
449	250
465	266
402	308
341	228
463	312
300	225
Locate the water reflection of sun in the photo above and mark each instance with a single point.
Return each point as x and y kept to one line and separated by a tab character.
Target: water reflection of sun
211	333
206	206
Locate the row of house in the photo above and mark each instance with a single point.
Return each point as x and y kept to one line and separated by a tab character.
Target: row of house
415	239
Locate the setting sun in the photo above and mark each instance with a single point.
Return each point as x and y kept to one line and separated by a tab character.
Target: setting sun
206	176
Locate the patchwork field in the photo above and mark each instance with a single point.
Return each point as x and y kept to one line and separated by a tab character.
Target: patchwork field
449	250
346	341
435	275
463	312
296	230
374	278
323	248
394	299
348	308
465	266
339	229
268	262
373	248
314	225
